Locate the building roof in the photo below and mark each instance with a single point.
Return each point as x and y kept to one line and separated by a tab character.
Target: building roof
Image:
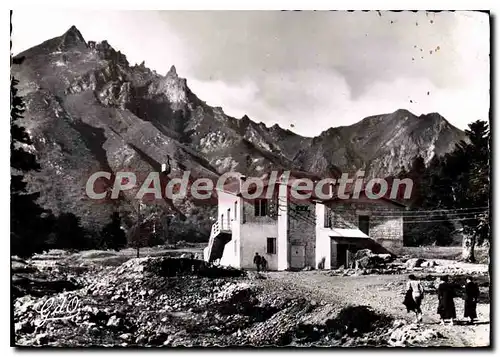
233	186
350	189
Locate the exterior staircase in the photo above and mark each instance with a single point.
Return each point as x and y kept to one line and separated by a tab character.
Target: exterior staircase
219	236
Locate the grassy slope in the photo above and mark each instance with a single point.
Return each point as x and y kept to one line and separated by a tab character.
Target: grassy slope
452	253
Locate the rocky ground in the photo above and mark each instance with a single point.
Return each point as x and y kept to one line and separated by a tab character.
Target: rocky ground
384	293
166	301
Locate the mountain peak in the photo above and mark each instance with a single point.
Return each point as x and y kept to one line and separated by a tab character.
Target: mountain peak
72	38
435	115
74	30
174	87
402	111
172	72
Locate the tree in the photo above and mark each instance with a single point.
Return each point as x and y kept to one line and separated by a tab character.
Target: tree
112	235
144	228
457	183
27	227
26	215
475	191
416	174
194	226
68	232
424	233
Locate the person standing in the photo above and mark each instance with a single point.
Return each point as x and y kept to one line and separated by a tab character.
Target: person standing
446	305
263	263
257	260
470	299
413	297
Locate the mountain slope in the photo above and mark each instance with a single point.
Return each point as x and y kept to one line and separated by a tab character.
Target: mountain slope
89	110
381	144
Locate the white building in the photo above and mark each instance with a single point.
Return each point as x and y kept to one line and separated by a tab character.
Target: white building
294	234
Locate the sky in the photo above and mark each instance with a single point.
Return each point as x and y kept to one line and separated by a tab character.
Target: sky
307	71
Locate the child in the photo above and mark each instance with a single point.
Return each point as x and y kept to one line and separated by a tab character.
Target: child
263	263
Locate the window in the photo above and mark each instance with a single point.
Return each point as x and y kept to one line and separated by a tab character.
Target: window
260	208
302	208
222	222
364	224
271	246
229	217
235	247
235	210
328	217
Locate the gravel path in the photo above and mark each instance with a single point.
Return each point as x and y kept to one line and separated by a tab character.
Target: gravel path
384	293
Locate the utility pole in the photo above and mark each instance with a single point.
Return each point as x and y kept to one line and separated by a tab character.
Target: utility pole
138	242
165	169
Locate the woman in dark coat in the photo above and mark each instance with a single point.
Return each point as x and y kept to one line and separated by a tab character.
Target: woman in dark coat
446	305
471	296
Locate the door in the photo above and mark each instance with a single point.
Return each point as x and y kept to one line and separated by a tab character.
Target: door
298	256
350	256
342	255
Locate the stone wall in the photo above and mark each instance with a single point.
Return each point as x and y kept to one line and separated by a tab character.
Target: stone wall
301	229
386	221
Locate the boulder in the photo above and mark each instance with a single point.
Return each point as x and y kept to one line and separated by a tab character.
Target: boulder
386	258
114	321
428	264
125	336
41	339
363	262
370	262
398	323
408	335
414	263
362	253
365	259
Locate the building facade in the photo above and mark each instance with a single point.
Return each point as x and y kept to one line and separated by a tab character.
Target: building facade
293	234
345	226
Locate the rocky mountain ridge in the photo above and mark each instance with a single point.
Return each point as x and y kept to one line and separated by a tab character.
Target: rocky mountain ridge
89	110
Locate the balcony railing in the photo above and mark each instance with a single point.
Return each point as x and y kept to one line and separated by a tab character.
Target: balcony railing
217	228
